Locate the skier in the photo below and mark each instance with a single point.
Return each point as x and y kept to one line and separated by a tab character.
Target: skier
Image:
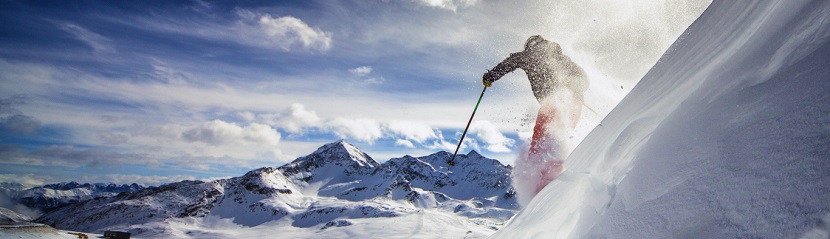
559	85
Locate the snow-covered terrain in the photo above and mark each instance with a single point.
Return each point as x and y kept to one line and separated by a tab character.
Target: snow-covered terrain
51	196
726	137
8	217
335	192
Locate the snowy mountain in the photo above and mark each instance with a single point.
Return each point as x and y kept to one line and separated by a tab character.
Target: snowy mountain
10	188
9	217
726	137
51	196
337	188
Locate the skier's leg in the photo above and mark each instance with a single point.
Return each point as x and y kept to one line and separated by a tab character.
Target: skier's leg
540	130
544	154
561	116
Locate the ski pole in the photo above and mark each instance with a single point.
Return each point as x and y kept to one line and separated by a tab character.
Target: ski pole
452	160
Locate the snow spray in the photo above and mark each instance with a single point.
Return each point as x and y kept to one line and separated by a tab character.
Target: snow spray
541	162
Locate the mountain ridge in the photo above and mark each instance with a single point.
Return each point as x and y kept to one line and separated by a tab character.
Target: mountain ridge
331	187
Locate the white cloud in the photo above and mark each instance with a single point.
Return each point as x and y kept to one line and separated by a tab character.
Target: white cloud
283	32
26	179
166	73
441	144
490	135
366	130
411	130
261	133
218	132
364	74
96	41
294	120
361	71
247	116
404	143
451	5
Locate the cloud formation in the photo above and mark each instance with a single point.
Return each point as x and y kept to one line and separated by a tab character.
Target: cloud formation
298	120
285	32
363	129
19	124
364	74
411	130
361	71
490	135
293	120
98	42
218	132
69	156
404	143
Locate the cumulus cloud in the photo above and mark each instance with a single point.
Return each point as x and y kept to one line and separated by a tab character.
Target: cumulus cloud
296	119
451	5
283	32
490	135
367	130
218	132
410	130
98	42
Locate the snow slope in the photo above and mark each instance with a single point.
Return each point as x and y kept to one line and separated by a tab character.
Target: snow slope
726	137
8	217
38	231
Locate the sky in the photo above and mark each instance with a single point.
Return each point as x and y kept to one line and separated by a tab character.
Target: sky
160	91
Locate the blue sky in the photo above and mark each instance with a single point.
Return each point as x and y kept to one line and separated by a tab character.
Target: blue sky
160	91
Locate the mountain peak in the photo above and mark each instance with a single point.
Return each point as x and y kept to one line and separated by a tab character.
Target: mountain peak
343	149
338	153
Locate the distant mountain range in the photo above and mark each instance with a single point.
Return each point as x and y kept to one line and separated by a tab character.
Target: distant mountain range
329	188
51	196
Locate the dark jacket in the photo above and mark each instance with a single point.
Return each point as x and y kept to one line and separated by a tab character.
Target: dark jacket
546	68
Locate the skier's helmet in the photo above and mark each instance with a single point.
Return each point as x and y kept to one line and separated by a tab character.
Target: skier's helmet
533	41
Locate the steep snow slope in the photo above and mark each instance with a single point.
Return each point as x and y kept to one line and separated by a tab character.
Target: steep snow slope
726	137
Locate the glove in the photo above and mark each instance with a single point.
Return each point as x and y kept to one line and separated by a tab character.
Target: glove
487	79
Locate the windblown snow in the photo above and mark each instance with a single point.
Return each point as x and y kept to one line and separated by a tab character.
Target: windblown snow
726	137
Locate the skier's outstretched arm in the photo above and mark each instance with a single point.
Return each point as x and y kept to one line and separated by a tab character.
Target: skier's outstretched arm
508	65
